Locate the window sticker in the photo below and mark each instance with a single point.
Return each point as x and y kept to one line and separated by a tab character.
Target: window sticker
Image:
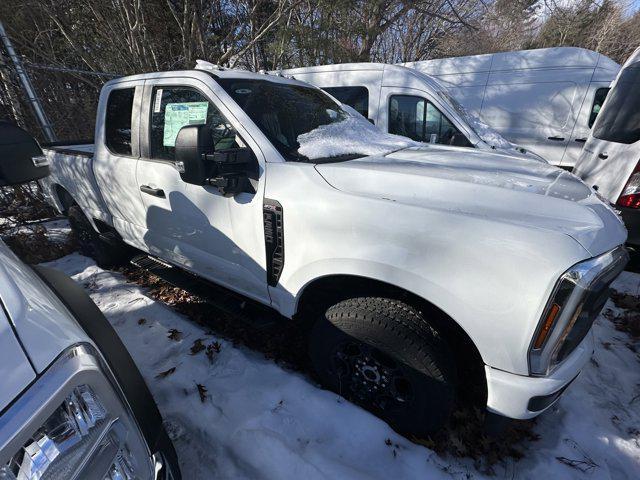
158	101
177	115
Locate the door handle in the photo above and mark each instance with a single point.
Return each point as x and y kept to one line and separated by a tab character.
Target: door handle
556	139
603	156
581	140
156	192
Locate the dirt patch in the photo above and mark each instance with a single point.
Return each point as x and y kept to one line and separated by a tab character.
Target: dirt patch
629	320
32	244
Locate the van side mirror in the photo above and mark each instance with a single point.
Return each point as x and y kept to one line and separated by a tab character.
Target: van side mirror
21	159
199	164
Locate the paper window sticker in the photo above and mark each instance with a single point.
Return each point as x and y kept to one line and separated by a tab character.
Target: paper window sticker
158	101
177	115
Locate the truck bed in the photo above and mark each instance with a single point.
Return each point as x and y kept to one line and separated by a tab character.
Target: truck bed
71	165
84	148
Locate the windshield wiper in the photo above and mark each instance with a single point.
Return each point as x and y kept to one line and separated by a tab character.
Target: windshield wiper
338	158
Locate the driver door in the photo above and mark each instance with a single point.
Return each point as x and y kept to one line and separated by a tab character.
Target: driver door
196	227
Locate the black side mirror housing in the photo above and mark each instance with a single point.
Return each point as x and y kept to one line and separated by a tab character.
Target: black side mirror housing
192	144
199	164
21	158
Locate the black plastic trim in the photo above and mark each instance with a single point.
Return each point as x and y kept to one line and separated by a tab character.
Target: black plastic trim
273	240
537	404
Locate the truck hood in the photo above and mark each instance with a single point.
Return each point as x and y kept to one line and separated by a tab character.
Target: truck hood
494	186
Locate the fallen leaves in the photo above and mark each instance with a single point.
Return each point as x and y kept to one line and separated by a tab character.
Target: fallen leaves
202	391
197	347
212	350
174	334
166	373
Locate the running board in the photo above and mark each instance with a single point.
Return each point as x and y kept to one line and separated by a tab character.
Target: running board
248	311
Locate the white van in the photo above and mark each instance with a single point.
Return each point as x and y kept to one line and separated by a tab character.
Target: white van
406	102
545	100
610	160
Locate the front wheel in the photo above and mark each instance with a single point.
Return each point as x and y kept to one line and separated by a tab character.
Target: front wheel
381	354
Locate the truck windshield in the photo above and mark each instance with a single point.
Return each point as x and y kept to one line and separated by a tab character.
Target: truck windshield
619	119
284	112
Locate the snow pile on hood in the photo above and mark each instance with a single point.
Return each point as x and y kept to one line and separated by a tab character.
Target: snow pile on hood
354	135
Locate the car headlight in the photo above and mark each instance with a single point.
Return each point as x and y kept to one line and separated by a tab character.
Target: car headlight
73	423
576	301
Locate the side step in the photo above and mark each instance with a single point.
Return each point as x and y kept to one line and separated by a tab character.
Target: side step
248	311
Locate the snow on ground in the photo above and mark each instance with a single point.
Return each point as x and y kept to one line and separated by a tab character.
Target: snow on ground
259	421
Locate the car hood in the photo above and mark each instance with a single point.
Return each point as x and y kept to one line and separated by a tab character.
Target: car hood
490	185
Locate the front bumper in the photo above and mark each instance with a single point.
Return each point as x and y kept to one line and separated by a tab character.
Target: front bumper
524	397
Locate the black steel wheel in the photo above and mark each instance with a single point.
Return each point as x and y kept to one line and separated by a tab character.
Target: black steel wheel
382	355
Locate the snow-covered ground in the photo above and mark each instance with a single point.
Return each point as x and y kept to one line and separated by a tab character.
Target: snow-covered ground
257	420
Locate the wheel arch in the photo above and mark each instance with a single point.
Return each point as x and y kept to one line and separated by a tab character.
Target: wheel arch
320	293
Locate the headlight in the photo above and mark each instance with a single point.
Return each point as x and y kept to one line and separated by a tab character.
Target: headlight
575	303
72	423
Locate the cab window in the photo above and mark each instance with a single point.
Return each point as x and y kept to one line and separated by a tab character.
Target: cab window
117	122
356	97
175	107
620	121
418	119
598	100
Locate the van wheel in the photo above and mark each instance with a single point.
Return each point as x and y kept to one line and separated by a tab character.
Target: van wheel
381	354
107	254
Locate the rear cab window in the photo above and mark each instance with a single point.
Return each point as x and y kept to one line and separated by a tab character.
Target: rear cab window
356	97
417	118
619	121
117	123
175	107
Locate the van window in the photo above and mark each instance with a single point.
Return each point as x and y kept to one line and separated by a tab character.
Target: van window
418	119
175	107
620	120
356	97
117	122
598	100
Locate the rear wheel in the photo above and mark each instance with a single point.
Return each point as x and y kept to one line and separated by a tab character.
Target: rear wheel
106	253
382	355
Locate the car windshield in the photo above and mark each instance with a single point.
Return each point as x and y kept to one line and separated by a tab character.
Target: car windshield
306	125
481	129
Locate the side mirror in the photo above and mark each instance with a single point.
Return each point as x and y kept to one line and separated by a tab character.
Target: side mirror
200	164
21	159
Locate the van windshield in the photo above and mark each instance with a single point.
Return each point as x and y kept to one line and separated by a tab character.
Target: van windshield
306	125
481	129
619	119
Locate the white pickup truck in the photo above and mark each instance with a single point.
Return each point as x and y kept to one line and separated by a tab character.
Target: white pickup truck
424	271
72	403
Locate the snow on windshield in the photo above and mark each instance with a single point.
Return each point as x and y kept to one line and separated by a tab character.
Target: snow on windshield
352	136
